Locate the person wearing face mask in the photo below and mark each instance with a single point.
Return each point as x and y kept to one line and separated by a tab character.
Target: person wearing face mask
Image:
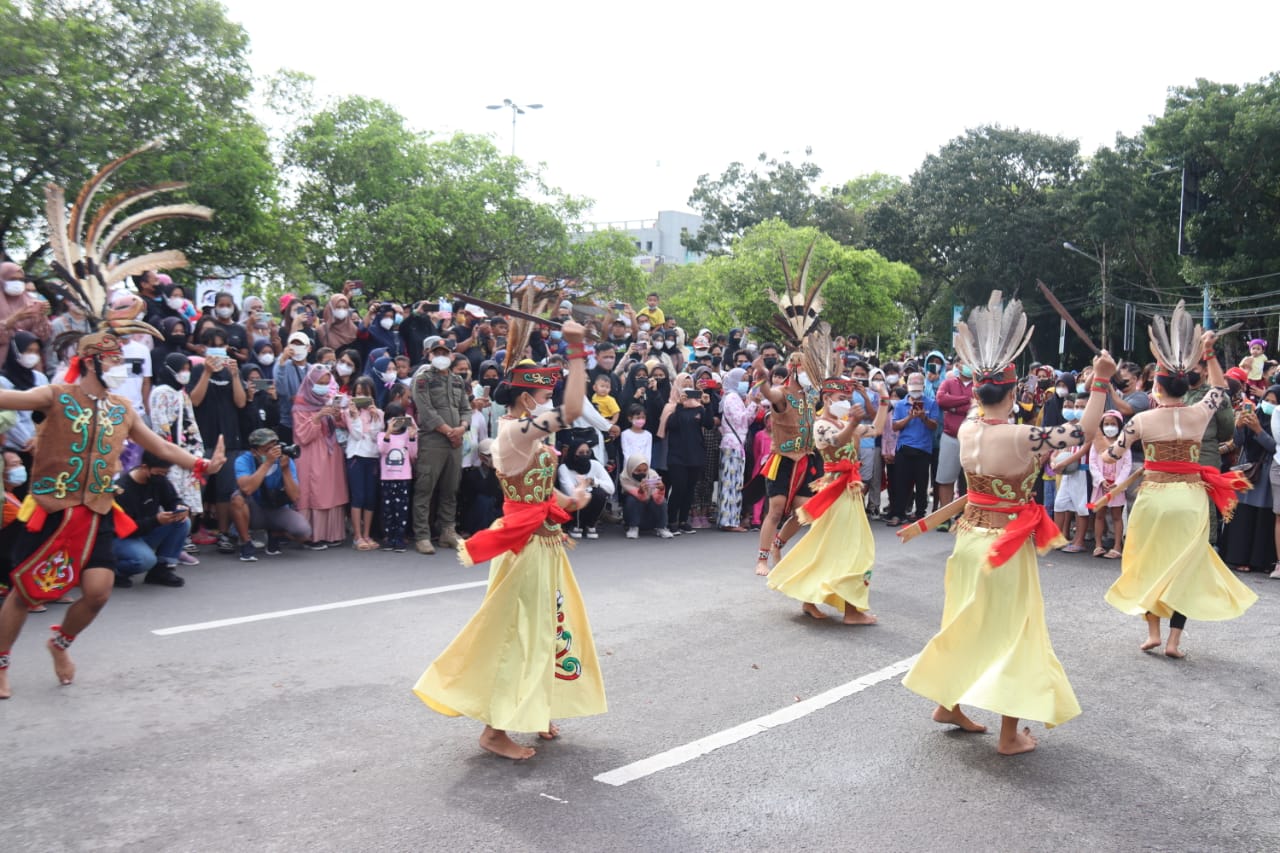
172	303
72	322
381	326
1107	472
19	310
227	316
346	370
443	407
579	469
513	665
1221	428
81	520
605	362
147	496
954	397
738	406
338	325
659	351
914	420
174	418
1248	541
217	396
176	339
264	358
289	374
21	373
322	469
832	565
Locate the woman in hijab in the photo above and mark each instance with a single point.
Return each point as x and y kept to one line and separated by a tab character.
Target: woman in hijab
176	337
339	327
704	508
262	408
655	402
736	414
322	468
263	358
173	417
382	331
1248	541
172	304
635	391
21	372
382	370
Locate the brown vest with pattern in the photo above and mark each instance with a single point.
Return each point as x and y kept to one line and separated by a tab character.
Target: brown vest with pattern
78	449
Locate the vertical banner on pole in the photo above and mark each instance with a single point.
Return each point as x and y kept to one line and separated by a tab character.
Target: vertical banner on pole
957	314
1062	342
1130	318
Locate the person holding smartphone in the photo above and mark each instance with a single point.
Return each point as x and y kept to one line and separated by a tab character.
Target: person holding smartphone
146	496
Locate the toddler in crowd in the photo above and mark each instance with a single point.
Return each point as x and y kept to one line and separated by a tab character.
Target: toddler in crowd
1071	498
636	440
608	408
397	446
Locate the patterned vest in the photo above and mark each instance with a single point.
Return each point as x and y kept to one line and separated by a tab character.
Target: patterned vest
791	430
534	485
78	450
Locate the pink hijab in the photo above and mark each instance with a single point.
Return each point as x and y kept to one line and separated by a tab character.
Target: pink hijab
308	402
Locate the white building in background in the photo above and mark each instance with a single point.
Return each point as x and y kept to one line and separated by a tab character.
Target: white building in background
657	241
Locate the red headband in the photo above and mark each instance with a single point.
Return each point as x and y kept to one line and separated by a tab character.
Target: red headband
533	377
1008	376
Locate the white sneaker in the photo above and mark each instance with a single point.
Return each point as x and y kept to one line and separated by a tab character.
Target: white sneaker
576	533
664	533
592	533
633	532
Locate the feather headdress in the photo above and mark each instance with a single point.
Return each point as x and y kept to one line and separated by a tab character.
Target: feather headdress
1177	348
799	306
82	247
992	339
529	298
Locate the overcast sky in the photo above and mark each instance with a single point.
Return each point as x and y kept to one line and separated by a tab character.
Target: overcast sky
641	98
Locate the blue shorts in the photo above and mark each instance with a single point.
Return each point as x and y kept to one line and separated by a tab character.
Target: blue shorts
363	474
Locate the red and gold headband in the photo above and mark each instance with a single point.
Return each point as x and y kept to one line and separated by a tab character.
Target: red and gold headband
533	377
1008	376
837	385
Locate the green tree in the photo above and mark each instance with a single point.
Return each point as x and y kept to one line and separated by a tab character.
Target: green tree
743	197
603	263
842	212
84	81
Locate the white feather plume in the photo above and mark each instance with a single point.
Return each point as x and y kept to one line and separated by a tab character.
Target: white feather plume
994	335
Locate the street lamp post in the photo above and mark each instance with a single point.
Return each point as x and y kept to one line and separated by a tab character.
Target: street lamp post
516	110
1102	274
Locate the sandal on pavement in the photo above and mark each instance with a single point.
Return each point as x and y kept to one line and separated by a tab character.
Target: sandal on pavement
1073	548
1275	573
1113	554
1098	552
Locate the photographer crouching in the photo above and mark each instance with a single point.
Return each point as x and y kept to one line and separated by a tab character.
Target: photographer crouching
146	496
265	495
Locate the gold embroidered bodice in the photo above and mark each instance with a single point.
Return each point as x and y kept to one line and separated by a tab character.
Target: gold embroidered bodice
1015	492
1173	451
534	485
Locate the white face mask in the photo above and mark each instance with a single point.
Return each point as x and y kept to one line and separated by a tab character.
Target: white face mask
839	409
300	352
341	313
386	323
389	377
29	360
223	312
441	362
183	378
915	395
1061	392
644	327
892	379
344	369
805	382
15	287
175	302
541	409
115	377
1110	431
267	357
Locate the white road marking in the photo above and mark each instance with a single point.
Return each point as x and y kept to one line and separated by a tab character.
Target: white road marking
689	751
549	797
315	608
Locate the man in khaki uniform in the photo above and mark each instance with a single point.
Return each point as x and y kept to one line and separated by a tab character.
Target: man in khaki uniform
443	414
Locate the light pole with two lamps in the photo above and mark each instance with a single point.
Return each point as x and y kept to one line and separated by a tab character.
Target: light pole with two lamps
516	110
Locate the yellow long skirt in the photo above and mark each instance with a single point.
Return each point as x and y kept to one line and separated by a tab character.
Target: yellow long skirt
1168	562
831	564
527	655
993	651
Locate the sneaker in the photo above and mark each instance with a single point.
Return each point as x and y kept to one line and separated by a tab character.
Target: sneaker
204	537
336	543
273	546
576	533
248	554
191	547
316	546
226	545
122	582
188	559
387	545
687	528
592	533
165	576
424	546
664	533
400	547
633	532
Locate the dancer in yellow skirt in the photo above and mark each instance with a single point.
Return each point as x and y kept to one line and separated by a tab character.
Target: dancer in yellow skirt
1169	569
832	565
993	650
527	655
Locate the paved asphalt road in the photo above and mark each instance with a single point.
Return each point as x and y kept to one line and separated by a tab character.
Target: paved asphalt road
300	732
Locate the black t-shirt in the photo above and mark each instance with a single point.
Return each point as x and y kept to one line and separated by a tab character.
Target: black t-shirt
141	501
217	414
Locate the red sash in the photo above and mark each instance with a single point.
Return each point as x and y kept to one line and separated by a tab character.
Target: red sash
511	532
1030	520
1222	488
55	567
848	475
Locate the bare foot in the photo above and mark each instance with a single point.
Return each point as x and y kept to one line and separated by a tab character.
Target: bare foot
499	743
775	555
63	666
812	610
1021	742
854	616
956	717
1173	652
552	732
5	693
1150	644
762	568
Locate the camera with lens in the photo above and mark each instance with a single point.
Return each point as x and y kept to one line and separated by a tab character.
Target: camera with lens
290	451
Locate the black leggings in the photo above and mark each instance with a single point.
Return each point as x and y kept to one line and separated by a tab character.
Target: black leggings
1177	620
590	514
683	479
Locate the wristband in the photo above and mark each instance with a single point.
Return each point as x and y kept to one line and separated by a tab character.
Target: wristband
199	469
1101	385
576	352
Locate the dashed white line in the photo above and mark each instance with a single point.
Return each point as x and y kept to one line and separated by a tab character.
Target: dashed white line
689	751
315	608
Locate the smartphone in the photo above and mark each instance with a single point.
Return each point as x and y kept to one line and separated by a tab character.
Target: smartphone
261	384
340	400
362	402
618	306
357	288
181	508
693	393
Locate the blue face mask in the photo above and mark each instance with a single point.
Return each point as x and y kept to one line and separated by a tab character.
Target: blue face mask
556	334
966	371
399	320
1266	408
1071	414
1079	387
321	390
744	387
18	476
